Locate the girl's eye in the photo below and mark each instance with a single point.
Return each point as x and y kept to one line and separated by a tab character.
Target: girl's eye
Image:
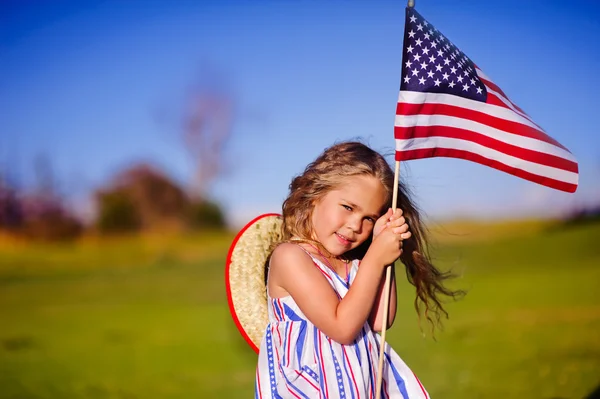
370	220
346	207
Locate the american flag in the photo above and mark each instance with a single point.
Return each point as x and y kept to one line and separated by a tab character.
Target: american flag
448	107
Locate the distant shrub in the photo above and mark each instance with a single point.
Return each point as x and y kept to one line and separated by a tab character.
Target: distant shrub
117	212
52	224
205	214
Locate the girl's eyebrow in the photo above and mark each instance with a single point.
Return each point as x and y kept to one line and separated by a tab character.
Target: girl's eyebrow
353	205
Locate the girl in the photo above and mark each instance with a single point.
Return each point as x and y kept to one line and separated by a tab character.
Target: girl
325	282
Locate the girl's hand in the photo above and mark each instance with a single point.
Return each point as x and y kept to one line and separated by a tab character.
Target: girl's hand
381	222
394	221
389	232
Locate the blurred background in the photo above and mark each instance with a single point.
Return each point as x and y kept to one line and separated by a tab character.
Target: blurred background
136	139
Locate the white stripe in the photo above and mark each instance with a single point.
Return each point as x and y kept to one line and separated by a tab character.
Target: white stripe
415	97
477	127
501	97
457	144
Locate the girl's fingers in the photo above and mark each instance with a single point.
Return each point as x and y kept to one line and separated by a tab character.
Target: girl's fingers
397	222
401	229
406	236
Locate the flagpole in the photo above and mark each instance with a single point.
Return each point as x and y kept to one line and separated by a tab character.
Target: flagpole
388	278
386	295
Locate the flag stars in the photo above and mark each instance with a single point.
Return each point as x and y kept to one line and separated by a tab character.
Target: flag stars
417	57
432	59
426	51
438	68
446	61
406	79
459	78
479	90
420	27
445	76
452	84
437	82
418	42
415	72
410	49
411	34
453	70
430	74
413	18
466	87
408	63
426	36
473	81
423	65
421	81
434	44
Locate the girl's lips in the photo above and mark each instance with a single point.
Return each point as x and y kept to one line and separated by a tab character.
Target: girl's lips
343	239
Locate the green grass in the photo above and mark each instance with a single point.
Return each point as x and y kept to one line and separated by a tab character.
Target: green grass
148	318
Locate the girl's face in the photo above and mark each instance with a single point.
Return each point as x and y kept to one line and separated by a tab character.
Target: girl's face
344	218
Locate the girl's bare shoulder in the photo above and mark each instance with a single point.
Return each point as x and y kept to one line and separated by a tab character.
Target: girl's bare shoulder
289	254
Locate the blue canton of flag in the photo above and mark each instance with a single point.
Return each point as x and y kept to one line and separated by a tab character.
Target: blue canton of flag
432	64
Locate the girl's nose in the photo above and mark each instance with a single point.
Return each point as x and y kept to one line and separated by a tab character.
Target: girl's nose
355	224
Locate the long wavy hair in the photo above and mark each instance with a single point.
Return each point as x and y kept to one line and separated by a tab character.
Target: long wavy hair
328	172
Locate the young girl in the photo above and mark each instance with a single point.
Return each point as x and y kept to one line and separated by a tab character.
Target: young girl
325	282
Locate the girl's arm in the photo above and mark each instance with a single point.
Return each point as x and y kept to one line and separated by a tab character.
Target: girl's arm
293	272
376	316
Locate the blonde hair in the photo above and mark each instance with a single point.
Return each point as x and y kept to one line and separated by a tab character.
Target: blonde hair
327	173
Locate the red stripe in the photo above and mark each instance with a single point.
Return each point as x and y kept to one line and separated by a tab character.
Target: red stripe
323	366
373	369
476	116
493	99
385	390
421	385
274	302
526	154
351	372
279	335
495	87
292	392
453	153
307	380
258	381
289	339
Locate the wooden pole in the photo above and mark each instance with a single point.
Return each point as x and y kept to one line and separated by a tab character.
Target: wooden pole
388	277
386	293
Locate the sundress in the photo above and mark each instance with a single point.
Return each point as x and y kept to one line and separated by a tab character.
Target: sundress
297	360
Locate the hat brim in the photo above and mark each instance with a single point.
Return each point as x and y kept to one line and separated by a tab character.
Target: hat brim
245	276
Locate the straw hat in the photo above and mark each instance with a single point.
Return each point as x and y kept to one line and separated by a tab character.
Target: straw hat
245	276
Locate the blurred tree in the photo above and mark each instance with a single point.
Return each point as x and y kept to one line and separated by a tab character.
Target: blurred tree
117	212
205	214
142	197
207	128
45	215
11	211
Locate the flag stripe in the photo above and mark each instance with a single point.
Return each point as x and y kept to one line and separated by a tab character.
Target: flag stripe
452	153
499	111
447	145
494	127
484	140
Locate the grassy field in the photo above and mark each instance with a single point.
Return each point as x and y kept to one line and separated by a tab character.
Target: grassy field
147	317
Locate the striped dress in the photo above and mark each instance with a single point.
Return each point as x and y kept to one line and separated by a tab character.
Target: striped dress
297	360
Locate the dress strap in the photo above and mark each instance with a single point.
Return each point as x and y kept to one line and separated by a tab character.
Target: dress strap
324	270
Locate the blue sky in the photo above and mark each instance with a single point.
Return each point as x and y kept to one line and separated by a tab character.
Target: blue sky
96	85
